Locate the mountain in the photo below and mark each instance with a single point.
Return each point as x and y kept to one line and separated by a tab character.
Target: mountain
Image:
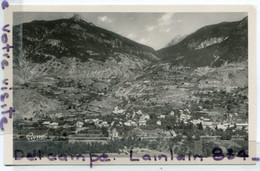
75	37
176	40
47	47
211	45
62	62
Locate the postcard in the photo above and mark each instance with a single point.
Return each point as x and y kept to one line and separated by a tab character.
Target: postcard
129	84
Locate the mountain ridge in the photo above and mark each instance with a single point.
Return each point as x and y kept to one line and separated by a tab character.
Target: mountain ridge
211	45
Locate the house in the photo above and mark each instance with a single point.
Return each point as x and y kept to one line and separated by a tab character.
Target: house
159	122
113	134
59	115
127	124
95	120
130	123
139	112
195	122
46	123
54	124
162	116
87	120
173	133
142	122
79	124
104	124
146	117
66	126
242	125
184	117
223	127
205	124
118	111
172	113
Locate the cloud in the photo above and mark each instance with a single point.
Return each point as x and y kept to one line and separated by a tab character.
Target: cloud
165	20
150	28
104	19
131	36
144	41
166	30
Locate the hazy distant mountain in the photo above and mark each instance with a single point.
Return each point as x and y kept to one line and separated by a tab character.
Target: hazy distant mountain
211	45
176	40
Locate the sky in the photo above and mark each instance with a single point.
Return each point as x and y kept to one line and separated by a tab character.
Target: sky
153	29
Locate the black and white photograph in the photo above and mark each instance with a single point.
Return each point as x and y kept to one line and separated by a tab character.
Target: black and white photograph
147	85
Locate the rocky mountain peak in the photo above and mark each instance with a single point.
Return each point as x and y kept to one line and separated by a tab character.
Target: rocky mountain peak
77	17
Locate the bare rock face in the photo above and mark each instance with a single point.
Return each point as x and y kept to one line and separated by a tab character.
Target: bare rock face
210	41
176	40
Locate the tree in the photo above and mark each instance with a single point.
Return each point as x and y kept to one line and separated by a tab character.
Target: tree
200	127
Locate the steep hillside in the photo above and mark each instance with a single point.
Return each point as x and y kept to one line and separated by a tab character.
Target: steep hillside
75	37
48	47
68	61
211	45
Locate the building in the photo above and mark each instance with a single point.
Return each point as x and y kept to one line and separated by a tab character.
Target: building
184	117
173	133
46	123
223	127
95	121
130	123
207	124
113	134
79	124
146	117
118	111
162	116
195	122
142	122
87	120
172	113
242	126
139	112
54	125
59	115
66	126
159	122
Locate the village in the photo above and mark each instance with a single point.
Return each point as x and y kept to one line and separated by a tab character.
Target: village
176	107
77	126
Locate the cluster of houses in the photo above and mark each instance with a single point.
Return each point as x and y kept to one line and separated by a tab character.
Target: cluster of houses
135	119
184	115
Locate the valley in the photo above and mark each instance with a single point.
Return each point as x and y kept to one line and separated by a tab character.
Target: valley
113	94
